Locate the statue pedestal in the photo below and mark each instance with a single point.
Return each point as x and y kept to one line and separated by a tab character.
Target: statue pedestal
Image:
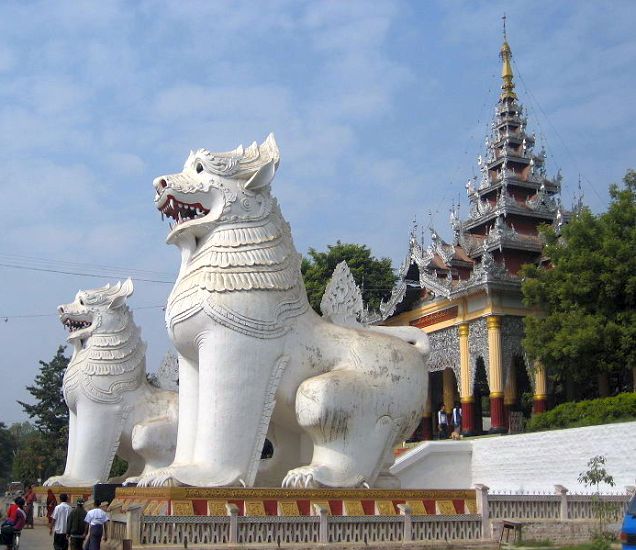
199	501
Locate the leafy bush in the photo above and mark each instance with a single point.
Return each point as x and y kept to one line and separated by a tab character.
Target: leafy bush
586	413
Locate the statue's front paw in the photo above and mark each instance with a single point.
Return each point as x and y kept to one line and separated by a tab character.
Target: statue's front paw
53	481
304	477
163	477
66	481
315	476
132	480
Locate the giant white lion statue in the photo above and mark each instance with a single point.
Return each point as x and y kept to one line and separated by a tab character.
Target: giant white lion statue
112	407
254	358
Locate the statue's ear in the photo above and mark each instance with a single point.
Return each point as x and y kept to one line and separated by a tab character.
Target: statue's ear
262	178
125	290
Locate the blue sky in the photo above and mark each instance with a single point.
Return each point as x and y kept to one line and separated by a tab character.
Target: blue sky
379	109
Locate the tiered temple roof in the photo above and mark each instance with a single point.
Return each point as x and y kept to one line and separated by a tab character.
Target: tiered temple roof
508	201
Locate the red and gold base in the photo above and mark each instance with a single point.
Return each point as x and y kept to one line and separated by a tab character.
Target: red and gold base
540	404
196	501
497	420
468	416
73	493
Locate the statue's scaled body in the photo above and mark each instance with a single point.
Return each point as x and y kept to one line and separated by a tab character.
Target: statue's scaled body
112	407
254	358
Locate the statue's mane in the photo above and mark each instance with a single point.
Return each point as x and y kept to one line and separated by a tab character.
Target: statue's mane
112	353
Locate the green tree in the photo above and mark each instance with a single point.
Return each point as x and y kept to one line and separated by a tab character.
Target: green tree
7	447
41	452
587	294
595	476
49	410
374	276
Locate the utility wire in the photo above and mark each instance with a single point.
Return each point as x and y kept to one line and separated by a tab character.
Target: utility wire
16	258
6	318
554	129
82	274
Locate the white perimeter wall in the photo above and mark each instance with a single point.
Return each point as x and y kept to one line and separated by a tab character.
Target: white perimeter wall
528	462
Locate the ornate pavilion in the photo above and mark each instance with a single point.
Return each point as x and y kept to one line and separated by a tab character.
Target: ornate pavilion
467	294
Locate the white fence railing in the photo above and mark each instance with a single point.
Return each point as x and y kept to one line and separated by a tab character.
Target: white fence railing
322	528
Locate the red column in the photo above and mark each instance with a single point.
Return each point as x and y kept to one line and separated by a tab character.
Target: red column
468	416
540	404
497	422
427	428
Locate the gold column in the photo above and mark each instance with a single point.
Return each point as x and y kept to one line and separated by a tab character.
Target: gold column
497	420
464	363
510	391
448	385
494	356
540	388
466	395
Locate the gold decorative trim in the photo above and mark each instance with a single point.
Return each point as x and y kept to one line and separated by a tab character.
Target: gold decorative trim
352	508
493	322
496	394
217	508
417	507
241	493
288	508
445	508
254	508
182	508
384	508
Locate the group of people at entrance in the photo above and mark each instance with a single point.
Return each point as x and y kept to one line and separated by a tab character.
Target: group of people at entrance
444	422
83	530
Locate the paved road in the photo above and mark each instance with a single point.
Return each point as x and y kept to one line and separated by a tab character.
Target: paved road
37	538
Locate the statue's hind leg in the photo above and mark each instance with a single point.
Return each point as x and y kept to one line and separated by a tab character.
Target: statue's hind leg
348	421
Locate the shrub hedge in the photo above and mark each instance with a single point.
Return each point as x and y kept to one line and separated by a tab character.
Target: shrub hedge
586	413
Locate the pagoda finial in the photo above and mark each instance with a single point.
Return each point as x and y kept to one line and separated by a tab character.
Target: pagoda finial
505	54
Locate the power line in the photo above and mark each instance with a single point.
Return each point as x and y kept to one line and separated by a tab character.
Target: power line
17	258
83	274
6	318
554	129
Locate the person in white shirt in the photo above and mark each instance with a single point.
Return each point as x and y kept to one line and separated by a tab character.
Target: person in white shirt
442	422
96	520
60	520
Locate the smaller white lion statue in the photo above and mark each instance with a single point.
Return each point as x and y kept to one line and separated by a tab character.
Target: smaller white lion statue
113	410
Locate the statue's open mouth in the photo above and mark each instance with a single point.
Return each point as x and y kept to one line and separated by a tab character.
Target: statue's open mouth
73	325
181	211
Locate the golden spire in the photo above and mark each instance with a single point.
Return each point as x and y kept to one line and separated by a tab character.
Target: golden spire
505	54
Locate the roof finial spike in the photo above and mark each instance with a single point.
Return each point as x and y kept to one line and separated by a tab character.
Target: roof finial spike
505	54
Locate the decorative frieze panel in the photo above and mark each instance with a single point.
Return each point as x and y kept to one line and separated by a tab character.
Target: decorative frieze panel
445	351
478	347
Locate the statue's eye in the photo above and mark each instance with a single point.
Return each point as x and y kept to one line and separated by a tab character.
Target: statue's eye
199	167
81	301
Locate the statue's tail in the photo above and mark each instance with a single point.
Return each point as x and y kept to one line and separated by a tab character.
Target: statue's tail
411	335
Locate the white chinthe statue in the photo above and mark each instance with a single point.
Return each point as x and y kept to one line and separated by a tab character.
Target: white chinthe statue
112	407
253	355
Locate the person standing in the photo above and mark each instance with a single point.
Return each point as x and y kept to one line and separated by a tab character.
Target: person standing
96	520
29	498
76	530
60	523
51	503
442	422
457	418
